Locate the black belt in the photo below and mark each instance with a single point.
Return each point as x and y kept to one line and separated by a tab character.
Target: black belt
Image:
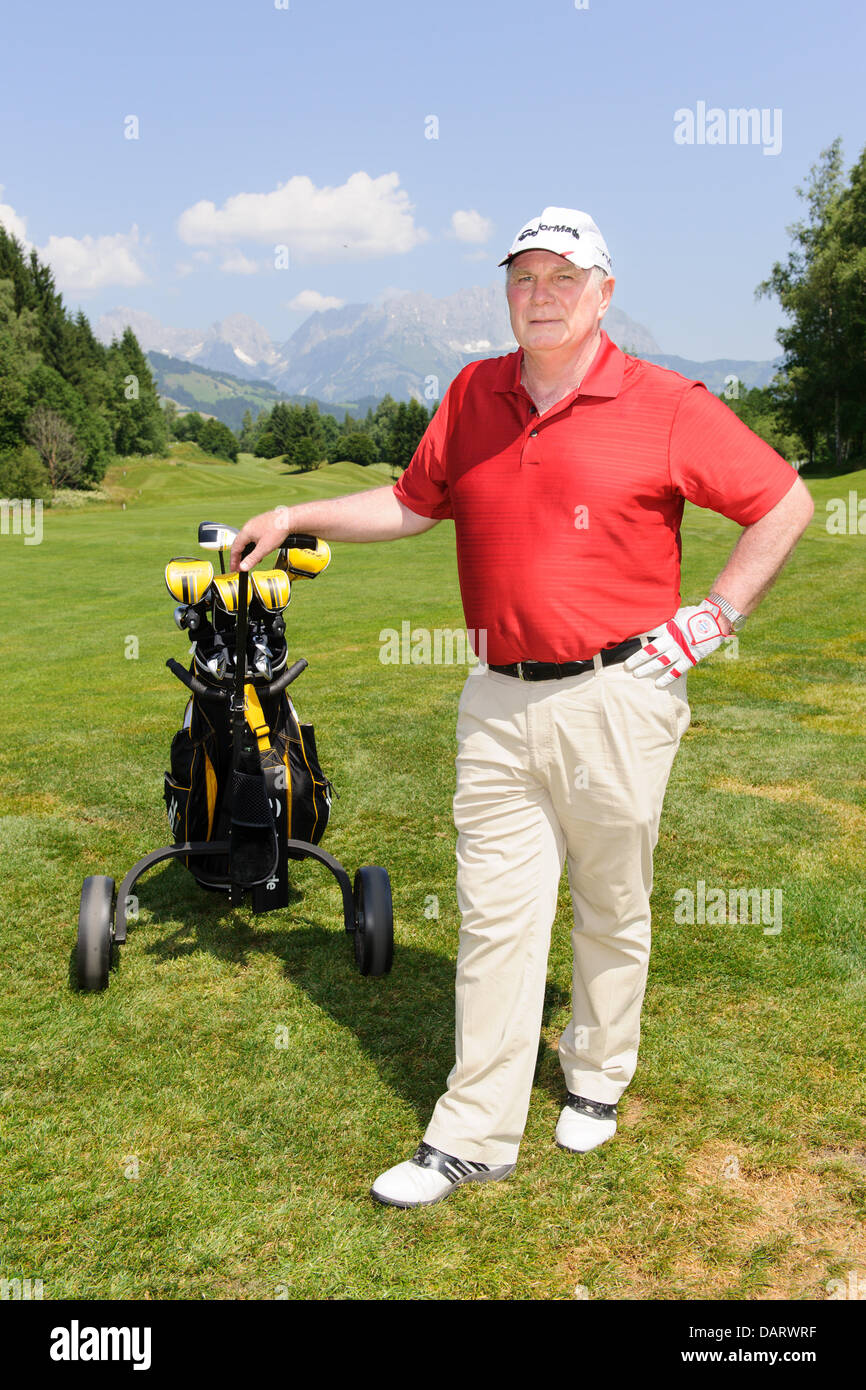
555	671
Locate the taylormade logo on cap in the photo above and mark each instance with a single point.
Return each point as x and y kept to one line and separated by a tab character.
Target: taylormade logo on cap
566	232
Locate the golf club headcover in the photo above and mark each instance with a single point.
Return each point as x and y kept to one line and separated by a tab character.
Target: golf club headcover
687	637
303	557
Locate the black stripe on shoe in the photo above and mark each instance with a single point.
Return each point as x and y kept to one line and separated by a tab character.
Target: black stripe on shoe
593	1108
454	1169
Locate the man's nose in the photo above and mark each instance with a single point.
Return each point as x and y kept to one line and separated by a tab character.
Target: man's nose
541	291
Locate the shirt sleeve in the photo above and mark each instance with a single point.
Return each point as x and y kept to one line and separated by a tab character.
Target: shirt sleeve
718	462
423	485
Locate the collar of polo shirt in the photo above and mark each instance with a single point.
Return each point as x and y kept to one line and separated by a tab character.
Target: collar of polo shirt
602	378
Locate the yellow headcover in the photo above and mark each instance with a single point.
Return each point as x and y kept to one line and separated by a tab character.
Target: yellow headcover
272	588
226	590
188	580
305	563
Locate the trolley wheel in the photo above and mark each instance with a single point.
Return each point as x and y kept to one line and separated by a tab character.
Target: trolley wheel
95	932
374	921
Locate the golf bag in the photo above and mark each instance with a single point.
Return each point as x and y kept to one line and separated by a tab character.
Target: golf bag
198	784
245	793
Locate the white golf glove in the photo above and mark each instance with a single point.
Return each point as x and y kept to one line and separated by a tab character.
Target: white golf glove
690	634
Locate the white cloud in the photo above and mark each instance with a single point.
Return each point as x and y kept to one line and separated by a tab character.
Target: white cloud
471	226
239	264
361	218
15	225
90	263
82	263
310	301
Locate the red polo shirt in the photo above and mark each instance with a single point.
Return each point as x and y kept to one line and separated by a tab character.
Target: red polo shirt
567	523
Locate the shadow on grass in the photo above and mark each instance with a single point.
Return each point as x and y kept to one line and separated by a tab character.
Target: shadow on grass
403	1021
72	968
831	470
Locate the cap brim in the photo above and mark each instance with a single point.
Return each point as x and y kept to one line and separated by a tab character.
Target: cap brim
512	255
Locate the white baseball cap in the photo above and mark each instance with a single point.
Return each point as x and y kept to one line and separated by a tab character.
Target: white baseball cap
568	233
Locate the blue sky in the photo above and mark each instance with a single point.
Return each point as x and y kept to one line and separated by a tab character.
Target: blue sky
307	127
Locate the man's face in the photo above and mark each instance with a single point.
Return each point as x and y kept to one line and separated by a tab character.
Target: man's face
553	304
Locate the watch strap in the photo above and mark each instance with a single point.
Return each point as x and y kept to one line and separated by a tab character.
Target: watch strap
735	618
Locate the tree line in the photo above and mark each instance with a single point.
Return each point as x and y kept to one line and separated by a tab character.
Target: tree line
68	403
306	437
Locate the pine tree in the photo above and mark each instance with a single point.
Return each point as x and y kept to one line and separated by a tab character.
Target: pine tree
52	319
330	437
139	424
86	364
19	357
417	421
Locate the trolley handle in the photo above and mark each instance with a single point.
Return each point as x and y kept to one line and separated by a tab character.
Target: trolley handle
290	674
210	692
204	692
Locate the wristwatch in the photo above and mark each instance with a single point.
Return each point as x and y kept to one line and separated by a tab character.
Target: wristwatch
734	618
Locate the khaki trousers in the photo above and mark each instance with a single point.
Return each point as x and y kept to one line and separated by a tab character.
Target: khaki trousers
574	771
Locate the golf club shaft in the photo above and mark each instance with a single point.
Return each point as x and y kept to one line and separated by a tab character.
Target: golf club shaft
240	660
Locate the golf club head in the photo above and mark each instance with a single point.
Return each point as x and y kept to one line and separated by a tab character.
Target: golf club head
262	662
188	580
186	618
304	557
214	535
217	665
272	588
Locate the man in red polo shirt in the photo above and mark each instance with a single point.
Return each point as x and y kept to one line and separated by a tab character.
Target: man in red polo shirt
565	467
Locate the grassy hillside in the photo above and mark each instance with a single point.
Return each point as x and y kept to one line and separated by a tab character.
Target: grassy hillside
191	475
227	397
160	1140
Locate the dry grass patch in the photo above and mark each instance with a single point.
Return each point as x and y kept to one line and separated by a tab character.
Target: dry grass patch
850	819
632	1110
727	1229
797	1223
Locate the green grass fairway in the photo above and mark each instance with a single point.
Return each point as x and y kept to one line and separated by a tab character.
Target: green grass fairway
210	1125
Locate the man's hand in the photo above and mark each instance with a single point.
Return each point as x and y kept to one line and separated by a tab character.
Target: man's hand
267	531
690	634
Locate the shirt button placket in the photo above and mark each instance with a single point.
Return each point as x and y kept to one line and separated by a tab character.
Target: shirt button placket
531	452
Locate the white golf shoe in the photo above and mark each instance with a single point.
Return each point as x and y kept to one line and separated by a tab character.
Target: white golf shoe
584	1124
428	1176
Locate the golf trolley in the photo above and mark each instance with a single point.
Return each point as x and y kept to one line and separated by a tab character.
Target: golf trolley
245	773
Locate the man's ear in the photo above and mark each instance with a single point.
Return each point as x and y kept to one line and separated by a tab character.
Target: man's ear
606	292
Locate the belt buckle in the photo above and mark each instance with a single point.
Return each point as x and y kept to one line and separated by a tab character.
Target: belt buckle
520	675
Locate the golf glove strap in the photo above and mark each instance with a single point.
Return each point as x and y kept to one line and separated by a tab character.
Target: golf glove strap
690	634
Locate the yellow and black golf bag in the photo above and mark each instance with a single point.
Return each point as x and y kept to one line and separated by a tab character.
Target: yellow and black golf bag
197	784
245	793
